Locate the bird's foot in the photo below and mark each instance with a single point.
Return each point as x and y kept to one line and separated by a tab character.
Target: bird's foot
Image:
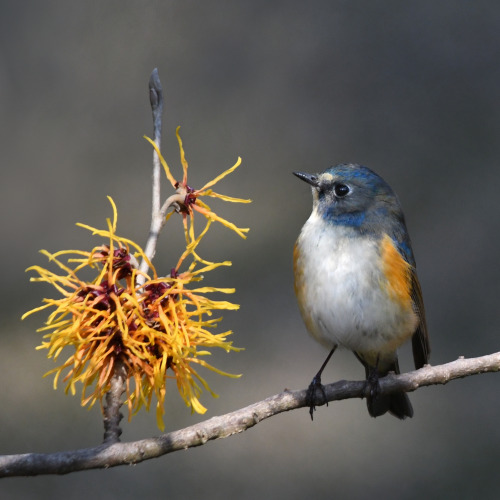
314	386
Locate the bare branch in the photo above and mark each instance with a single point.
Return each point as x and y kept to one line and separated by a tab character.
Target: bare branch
111	412
111	455
157	220
156	100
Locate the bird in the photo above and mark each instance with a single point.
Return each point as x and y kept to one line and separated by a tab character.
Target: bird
356	282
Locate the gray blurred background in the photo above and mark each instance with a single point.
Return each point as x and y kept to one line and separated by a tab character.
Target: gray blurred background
410	89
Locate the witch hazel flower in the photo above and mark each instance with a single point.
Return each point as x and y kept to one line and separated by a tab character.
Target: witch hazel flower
156	328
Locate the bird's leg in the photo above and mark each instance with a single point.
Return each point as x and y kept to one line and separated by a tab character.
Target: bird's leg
316	384
372	379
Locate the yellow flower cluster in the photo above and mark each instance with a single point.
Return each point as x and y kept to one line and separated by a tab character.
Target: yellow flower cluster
156	327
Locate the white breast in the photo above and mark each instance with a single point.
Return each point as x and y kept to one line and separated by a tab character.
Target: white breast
342	294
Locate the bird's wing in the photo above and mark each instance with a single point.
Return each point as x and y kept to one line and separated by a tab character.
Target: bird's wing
420	340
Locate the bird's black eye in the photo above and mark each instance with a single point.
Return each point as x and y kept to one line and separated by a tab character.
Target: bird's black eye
340	190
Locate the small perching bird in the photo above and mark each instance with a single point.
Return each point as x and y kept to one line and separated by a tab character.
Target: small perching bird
355	279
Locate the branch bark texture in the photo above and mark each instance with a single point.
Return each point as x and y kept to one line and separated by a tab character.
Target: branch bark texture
114	454
111	412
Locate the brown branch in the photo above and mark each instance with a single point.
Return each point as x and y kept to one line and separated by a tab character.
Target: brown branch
111	455
111	412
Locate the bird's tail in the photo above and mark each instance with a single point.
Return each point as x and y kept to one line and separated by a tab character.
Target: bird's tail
397	403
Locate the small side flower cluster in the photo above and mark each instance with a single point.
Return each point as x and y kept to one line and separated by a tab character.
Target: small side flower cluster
190	197
156	327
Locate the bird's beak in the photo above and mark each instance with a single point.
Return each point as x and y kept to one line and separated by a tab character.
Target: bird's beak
309	178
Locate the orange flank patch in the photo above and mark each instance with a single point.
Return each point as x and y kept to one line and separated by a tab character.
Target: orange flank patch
397	271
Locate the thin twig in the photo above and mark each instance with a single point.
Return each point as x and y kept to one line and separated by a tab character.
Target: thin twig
156	100
111	455
157	220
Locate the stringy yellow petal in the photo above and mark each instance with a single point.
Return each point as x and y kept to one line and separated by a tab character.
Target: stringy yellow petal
162	161
221	176
223	197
